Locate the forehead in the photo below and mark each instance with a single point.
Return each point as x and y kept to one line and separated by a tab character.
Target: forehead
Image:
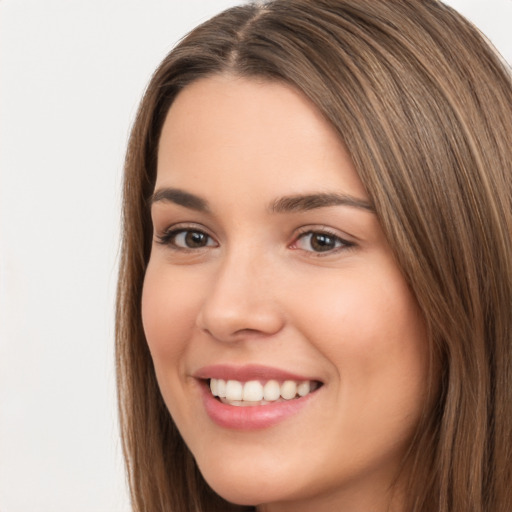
224	129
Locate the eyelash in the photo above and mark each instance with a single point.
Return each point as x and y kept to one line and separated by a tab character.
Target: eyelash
341	244
168	238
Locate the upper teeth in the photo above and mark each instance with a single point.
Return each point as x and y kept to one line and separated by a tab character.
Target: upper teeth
256	391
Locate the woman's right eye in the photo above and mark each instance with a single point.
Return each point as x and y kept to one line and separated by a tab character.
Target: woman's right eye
186	239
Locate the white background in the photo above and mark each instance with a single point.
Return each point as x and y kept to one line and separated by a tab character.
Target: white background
71	75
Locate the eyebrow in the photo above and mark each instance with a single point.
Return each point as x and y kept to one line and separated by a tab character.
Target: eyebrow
181	198
286	204
300	203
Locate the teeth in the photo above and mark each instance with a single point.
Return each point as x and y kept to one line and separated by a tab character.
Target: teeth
221	388
271	390
214	386
288	389
303	388
254	391
234	390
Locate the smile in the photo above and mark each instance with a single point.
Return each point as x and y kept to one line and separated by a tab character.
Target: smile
253	397
256	392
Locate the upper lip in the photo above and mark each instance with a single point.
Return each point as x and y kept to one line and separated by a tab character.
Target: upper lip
247	372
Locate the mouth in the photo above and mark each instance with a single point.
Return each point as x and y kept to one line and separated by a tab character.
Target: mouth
260	392
253	397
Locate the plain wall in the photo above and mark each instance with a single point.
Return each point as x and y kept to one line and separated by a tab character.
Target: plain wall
71	75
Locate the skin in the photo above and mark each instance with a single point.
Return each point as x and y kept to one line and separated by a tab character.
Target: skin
260	292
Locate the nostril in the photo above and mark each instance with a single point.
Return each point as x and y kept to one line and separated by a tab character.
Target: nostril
233	312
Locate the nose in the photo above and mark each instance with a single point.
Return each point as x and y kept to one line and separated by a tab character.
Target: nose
240	301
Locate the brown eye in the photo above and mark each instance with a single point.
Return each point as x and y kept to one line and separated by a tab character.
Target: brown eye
321	242
318	241
187	239
193	239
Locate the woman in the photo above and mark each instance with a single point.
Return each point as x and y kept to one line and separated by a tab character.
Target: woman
316	276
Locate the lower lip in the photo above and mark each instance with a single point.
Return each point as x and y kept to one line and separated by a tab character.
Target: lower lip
250	417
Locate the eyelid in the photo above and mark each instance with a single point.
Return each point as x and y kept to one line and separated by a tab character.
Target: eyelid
167	235
346	244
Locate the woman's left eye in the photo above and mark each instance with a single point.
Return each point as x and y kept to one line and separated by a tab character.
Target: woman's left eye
320	242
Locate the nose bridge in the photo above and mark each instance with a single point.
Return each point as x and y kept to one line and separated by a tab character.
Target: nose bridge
240	297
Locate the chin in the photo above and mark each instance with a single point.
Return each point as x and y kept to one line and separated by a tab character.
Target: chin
249	485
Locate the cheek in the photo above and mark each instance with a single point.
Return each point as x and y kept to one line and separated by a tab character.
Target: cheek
368	311
168	314
369	327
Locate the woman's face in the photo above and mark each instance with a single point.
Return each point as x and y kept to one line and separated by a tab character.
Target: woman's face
270	274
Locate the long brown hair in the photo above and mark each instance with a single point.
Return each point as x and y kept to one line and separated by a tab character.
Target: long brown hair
424	106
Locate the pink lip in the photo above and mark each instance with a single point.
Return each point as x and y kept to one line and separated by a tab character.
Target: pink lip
251	417
246	373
